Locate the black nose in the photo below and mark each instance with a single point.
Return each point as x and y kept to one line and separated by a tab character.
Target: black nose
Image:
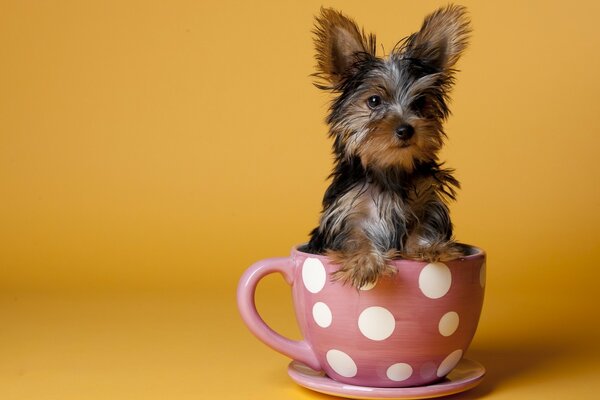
405	131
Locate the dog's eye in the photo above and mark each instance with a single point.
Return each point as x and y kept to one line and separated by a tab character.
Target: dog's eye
373	101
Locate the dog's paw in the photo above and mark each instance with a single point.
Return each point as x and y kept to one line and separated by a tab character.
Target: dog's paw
437	251
360	268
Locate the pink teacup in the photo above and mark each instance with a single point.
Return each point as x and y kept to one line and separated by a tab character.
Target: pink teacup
409	329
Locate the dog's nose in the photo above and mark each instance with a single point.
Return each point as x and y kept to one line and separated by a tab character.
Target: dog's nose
405	131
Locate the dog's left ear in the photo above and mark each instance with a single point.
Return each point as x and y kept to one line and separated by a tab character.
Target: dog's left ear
442	39
339	43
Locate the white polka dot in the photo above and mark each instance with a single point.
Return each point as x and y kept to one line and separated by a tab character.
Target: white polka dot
368	286
376	323
448	323
322	314
449	363
399	372
435	280
482	273
313	275
341	363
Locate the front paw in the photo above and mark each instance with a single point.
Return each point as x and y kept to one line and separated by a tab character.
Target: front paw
433	252
360	268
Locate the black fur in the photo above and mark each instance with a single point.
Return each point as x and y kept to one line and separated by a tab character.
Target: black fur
348	174
389	192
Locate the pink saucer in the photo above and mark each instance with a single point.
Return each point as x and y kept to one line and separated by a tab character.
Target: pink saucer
466	375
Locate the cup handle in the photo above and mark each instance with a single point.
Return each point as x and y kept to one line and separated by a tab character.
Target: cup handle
295	349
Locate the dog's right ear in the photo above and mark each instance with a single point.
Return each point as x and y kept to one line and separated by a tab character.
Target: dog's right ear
339	44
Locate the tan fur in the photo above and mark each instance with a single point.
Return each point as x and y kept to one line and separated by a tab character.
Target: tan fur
398	207
337	40
447	31
361	265
383	149
430	252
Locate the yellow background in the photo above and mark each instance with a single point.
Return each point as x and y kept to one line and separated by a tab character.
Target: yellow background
151	151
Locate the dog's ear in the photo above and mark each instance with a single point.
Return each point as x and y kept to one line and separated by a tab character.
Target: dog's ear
339	44
442	39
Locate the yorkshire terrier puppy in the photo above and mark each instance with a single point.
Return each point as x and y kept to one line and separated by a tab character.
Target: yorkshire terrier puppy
389	192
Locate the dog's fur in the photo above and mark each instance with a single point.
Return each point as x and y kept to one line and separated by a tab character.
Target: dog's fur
389	192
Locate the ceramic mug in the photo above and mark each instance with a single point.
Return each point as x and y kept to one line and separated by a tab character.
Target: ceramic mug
409	329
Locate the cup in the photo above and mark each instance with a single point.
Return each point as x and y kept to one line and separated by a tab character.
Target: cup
409	329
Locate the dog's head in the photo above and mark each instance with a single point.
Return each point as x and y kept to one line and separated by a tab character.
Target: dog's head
388	111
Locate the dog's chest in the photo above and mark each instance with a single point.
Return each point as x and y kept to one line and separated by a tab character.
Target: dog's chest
383	212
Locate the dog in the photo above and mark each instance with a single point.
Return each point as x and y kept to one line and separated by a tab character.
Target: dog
389	193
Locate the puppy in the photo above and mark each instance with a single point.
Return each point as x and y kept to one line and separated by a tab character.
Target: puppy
389	192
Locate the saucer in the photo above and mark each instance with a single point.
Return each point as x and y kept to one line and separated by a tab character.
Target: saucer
466	375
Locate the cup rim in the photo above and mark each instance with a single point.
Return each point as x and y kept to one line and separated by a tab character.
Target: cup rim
475	252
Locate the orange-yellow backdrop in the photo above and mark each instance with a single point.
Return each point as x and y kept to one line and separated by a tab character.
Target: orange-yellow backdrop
151	151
